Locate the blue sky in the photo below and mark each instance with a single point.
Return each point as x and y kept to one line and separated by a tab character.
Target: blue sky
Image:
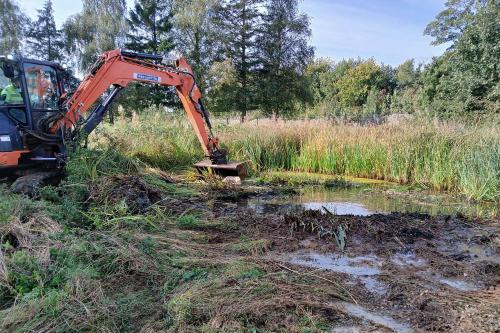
390	31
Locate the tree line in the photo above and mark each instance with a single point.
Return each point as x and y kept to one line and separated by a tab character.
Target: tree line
255	56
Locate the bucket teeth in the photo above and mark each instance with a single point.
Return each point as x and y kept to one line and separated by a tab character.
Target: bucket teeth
231	169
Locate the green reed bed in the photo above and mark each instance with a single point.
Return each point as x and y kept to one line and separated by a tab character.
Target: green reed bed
442	156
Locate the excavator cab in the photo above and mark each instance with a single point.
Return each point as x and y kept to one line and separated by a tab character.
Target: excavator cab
30	94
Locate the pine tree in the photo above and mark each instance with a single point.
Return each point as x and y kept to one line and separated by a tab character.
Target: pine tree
150	30
44	40
12	24
239	21
285	53
150	24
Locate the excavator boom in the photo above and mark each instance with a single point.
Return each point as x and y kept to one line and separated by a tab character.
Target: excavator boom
118	69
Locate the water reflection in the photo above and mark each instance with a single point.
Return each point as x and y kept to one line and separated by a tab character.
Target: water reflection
367	199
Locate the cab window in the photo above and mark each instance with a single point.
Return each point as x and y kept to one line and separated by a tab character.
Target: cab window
10	90
41	82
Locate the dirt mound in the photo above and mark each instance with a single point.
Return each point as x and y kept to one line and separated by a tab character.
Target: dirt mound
132	190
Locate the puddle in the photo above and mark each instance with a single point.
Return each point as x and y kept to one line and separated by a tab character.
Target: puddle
365	268
314	199
346	329
408	259
356	266
362	313
337	208
374	285
367	199
459	285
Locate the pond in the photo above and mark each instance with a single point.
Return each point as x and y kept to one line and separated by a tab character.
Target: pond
365	198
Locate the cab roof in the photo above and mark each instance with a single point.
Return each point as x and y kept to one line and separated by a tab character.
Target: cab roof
22	60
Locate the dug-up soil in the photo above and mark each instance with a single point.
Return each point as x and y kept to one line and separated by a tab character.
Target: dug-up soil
402	272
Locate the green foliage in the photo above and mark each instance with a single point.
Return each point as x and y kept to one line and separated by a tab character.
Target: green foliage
12	23
98	28
285	53
407	75
357	82
87	164
451	22
406	100
150	27
224	90
178	147
44	40
25	275
317	74
150	31
475	61
188	221
239	23
465	79
196	35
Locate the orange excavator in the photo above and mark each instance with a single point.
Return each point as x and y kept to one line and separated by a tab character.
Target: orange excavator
38	122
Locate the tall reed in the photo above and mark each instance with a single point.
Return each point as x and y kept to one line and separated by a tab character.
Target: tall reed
443	156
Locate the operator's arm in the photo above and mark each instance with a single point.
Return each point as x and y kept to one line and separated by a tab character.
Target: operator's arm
118	69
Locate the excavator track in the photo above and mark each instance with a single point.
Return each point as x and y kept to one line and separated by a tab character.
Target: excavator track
30	183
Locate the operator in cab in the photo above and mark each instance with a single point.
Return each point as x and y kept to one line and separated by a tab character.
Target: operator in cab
11	94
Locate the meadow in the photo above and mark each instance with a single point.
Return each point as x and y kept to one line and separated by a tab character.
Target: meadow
440	155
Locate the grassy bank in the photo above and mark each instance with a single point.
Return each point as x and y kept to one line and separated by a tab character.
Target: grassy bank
442	156
118	247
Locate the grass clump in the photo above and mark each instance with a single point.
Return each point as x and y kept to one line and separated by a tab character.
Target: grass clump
243	270
188	221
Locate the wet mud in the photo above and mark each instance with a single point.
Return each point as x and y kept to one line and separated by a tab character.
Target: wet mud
403	272
407	272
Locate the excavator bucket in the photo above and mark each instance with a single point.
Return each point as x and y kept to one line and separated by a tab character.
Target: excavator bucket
231	169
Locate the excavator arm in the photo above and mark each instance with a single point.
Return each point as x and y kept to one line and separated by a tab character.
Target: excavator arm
117	69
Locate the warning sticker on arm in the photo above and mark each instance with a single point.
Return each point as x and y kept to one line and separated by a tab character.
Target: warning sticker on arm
147	77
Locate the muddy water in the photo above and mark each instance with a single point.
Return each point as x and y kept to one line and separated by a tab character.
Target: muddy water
365	199
403	272
364	314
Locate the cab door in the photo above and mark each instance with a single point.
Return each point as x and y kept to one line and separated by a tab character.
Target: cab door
13	113
43	90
